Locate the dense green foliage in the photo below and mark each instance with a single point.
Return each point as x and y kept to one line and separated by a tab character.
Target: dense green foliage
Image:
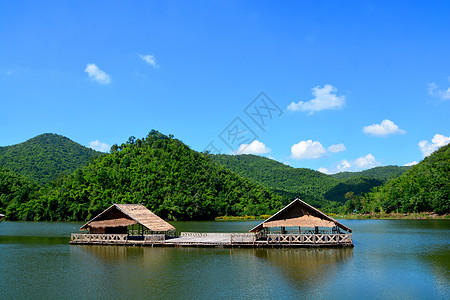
45	157
15	190
380	173
178	183
291	182
355	185
160	172
318	189
425	187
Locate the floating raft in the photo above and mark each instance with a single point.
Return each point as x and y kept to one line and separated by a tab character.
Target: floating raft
296	225
197	239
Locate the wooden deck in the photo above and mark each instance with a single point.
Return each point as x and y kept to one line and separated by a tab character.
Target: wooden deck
198	239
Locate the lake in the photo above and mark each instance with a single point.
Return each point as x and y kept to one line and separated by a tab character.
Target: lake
392	259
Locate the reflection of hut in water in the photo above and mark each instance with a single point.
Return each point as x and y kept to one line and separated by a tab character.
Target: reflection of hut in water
299	222
118	218
307	265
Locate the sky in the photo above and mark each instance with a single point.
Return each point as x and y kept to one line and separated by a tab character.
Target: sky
327	85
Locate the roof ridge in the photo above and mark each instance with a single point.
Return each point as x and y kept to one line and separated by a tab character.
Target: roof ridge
308	206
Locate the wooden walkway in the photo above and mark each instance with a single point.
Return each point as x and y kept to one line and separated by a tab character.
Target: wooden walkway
197	239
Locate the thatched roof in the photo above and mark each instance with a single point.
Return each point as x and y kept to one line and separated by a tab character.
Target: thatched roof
128	214
299	213
119	222
303	221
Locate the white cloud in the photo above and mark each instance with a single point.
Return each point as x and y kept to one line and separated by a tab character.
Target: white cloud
337	148
99	146
343	165
255	147
307	149
325	98
438	141
366	162
98	75
149	59
413	163
439	93
385	128
324	171
361	163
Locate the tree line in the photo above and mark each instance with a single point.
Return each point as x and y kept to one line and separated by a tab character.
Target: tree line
158	171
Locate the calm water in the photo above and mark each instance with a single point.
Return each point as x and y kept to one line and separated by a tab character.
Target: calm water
400	259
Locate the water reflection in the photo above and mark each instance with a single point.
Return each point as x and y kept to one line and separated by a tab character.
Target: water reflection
439	261
107	253
307	266
391	259
208	271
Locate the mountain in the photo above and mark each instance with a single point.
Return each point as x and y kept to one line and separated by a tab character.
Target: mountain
424	187
275	174
45	157
317	188
308	184
380	173
158	171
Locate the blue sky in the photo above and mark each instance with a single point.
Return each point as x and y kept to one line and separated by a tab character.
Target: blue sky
346	85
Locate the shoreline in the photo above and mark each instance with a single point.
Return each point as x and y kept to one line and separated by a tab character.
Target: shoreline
353	216
371	216
392	216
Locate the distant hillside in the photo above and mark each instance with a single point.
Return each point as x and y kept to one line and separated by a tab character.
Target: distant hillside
162	173
275	174
45	157
380	173
316	188
290	182
425	187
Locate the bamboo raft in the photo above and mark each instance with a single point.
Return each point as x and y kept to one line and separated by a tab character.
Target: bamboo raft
296	225
197	239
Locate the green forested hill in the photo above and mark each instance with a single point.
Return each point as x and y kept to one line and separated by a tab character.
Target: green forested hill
317	188
45	157
160	172
380	173
178	183
425	187
308	184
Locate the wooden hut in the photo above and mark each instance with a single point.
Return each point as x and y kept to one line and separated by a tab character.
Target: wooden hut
118	217
300	222
2	217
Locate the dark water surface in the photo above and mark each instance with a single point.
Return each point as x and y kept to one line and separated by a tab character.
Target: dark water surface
392	259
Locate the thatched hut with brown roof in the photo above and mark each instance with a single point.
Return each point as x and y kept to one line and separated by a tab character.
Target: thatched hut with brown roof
299	216
118	217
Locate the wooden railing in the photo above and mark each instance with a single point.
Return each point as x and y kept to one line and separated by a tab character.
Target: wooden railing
214	237
83	238
193	234
154	238
309	238
98	238
242	238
